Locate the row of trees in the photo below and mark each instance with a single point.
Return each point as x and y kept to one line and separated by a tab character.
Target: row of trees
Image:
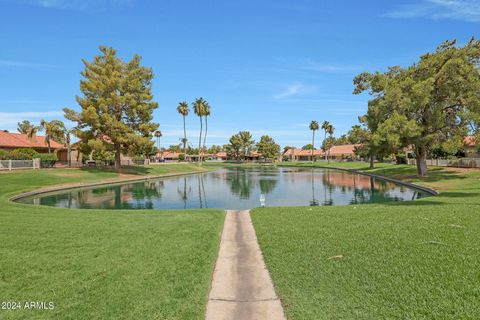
242	144
328	142
213	149
434	102
202	110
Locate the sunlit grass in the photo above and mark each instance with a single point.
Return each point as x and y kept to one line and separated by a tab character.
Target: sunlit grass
412	260
104	264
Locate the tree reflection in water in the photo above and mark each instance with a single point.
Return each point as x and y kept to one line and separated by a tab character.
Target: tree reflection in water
314	202
143	194
241	183
267	185
184	193
327	184
202	197
236	188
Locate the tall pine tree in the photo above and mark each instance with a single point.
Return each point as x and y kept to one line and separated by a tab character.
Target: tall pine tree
117	105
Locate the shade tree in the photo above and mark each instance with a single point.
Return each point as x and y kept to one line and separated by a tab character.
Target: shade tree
268	147
116	104
427	103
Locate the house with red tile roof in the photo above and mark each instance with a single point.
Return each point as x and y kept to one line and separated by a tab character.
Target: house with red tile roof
252	156
342	151
298	154
169	155
471	146
11	141
222	155
346	151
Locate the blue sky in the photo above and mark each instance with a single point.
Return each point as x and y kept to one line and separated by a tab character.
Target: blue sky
268	66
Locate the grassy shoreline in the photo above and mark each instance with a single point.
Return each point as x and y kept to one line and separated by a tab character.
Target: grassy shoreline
399	260
104	264
411	260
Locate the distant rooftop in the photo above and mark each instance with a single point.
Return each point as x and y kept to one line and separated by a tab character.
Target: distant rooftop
20	140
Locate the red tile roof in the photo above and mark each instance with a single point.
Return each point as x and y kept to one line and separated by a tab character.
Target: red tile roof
304	153
19	140
223	154
345	149
169	154
470	141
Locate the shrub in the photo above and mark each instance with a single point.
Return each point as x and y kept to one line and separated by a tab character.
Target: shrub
138	158
47	160
4	155
401	158
46	156
27	151
103	155
181	157
17	154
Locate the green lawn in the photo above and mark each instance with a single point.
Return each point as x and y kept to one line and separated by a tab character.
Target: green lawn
413	260
95	264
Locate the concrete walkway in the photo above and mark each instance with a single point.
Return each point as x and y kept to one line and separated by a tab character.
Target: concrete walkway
241	286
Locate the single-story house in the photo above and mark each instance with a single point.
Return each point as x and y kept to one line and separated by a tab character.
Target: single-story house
169	155
471	147
346	151
252	156
11	140
298	154
222	155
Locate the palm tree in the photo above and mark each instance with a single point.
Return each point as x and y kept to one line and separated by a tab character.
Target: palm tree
69	145
314	127
67	133
31	133
53	130
28	128
330	130
158	135
198	107
184	110
325	126
206	113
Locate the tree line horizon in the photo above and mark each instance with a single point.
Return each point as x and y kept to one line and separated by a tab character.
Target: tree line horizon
429	106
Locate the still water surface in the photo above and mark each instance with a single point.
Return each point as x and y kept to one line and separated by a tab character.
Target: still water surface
235	188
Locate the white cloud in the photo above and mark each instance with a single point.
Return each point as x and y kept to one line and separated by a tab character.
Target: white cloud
9	120
289	91
464	10
294	89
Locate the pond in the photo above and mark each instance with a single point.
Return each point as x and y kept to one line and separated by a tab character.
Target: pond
235	188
